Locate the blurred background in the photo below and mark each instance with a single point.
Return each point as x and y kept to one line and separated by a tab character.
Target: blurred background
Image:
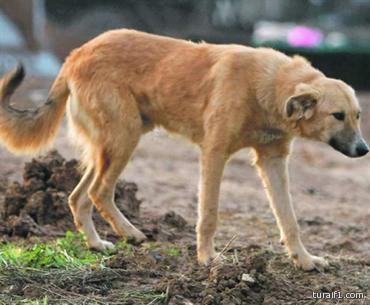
333	34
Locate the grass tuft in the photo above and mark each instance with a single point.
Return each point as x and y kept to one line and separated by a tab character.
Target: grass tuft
172	251
69	251
67	272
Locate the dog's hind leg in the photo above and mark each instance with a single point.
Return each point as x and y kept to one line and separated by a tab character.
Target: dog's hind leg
82	208
109	124
272	165
122	131
101	191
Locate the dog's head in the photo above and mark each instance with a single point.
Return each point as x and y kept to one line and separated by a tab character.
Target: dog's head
327	110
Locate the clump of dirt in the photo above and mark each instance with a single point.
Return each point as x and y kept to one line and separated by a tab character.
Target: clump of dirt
41	198
256	275
39	205
241	278
167	227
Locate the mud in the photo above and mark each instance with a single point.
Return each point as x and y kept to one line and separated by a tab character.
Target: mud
252	275
39	204
163	270
249	275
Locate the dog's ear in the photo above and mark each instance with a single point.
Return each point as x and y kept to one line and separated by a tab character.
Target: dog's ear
302	104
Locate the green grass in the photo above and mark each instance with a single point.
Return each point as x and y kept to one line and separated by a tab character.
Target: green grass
66	252
52	268
43	301
169	249
172	251
123	245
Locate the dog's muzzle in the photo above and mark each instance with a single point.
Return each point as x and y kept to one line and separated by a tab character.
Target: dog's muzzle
354	149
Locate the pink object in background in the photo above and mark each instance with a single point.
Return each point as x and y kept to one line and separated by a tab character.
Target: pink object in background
303	36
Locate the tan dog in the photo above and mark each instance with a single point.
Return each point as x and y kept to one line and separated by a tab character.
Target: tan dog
123	83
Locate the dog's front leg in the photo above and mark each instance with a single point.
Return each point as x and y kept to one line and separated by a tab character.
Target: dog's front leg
212	165
273	170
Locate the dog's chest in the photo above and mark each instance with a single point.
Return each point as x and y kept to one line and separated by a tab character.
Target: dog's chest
267	135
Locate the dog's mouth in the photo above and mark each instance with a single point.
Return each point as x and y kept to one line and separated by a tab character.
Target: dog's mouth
339	147
359	149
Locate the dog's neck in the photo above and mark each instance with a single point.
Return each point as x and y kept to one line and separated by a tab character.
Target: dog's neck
297	70
279	84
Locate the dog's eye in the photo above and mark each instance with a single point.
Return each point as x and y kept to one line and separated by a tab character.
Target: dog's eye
358	115
340	116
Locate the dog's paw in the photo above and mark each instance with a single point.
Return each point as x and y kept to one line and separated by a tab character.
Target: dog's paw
205	258
218	259
101	245
311	262
136	238
140	237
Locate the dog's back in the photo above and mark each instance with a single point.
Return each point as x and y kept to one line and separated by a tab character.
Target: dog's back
168	78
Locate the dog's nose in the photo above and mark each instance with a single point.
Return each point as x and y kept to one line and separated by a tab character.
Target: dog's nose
362	148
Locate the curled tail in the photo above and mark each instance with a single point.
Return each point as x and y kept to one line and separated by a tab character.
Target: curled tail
24	131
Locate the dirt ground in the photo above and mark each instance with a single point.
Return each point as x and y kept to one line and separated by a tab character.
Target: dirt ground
331	198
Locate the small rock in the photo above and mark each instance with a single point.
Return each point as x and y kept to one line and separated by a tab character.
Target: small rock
247	278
